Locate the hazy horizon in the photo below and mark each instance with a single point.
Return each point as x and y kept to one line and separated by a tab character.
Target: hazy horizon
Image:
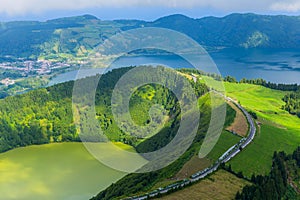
46	18
24	10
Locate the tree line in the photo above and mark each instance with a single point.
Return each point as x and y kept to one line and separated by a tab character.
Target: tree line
258	81
267	84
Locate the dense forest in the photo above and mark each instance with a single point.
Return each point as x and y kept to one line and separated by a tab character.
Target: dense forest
46	115
281	183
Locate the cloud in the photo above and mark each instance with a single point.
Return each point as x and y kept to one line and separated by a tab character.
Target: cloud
287	6
22	7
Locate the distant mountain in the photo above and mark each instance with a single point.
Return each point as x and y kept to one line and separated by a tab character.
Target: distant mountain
72	37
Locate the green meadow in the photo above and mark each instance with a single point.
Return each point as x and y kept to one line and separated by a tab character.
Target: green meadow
267	103
257	157
53	171
279	131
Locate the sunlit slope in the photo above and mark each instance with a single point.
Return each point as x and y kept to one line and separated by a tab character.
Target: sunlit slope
267	103
279	131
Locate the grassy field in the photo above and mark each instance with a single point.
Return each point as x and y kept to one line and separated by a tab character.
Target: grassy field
279	131
257	157
221	185
265	102
56	171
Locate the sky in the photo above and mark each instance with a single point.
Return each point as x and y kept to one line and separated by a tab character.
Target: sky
140	9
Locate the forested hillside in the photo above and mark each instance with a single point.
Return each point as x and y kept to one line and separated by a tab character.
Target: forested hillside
238	30
46	115
75	37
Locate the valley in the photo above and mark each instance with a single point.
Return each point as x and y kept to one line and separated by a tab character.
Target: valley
277	131
54	144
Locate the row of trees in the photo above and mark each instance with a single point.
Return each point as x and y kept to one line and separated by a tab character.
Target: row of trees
262	82
275	86
258	81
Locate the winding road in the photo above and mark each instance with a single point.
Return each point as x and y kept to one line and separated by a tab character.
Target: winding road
227	156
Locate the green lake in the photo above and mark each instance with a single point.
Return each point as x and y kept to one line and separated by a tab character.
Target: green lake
63	171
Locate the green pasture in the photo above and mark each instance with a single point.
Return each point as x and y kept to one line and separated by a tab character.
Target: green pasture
279	131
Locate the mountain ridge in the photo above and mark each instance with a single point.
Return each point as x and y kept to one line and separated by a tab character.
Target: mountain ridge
77	36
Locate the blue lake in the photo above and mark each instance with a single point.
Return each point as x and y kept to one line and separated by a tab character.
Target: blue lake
274	65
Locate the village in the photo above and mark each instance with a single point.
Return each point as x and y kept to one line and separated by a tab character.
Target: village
28	68
40	67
